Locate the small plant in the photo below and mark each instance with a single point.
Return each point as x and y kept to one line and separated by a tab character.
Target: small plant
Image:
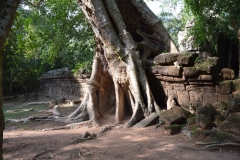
198	60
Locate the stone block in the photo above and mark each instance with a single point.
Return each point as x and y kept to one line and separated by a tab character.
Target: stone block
195	83
183	98
172	129
175	115
169	86
205	116
196	98
148	121
178	87
187	59
205	77
208	89
193	88
228	74
231	124
208	83
209	98
152	70
201	78
162	83
170	79
169	117
221	107
236	85
167	70
190	71
236	94
225	97
225	87
234	106
166	58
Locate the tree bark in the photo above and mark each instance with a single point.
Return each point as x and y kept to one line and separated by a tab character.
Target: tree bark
7	13
128	34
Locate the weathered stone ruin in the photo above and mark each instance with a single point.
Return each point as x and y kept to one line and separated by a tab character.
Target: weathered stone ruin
183	85
193	82
62	83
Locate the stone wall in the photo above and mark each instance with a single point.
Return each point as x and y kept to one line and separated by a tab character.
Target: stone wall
193	81
61	83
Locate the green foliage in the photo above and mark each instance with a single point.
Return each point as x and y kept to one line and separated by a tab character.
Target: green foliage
214	17
54	34
173	17
20	113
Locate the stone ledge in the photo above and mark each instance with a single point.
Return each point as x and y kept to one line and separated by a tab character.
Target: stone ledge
166	71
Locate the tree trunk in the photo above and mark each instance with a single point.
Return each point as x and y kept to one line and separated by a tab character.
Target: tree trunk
128	34
7	13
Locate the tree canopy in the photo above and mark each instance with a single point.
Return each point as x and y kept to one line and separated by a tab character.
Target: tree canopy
52	34
214	17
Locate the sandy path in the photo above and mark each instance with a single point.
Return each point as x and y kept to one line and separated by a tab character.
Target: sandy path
128	144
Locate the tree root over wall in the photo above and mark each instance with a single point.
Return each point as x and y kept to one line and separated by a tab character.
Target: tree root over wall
128	35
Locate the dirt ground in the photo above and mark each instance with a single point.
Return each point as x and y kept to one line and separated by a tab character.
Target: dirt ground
25	141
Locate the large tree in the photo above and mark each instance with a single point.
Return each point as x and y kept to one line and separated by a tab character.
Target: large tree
7	13
127	34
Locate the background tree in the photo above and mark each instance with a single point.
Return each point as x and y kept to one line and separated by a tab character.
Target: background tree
173	17
53	34
218	21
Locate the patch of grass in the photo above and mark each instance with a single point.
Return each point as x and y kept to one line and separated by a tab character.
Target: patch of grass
19	113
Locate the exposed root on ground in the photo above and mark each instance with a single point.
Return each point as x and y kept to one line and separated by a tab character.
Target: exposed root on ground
33	103
24	120
216	146
230	136
22	110
86	136
233	141
74	126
